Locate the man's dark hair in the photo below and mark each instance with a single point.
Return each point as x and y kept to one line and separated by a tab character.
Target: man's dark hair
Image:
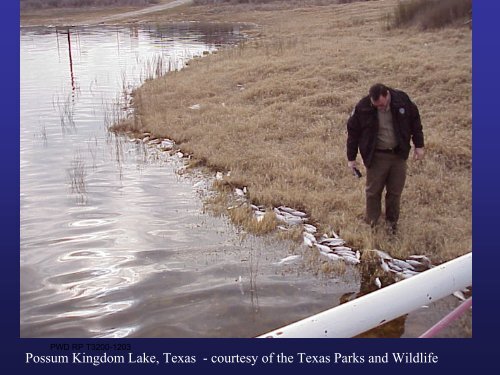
377	90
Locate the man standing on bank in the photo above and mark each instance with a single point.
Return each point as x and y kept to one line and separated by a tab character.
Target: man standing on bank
381	127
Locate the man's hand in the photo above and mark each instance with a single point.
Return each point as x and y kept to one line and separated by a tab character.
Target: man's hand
354	168
419	154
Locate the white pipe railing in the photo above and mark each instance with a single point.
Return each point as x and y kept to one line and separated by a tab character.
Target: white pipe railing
383	305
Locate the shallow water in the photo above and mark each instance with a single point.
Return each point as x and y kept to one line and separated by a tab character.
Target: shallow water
114	242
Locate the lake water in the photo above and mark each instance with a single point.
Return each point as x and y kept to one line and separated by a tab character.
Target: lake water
114	242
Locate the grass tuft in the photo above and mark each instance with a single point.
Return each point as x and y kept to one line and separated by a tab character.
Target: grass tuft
430	14
244	217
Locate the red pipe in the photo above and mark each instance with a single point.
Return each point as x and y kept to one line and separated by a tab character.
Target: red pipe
447	320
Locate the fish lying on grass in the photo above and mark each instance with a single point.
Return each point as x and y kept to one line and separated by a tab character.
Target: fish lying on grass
323	248
241	192
331	241
309	239
403	268
287	260
291	211
310	228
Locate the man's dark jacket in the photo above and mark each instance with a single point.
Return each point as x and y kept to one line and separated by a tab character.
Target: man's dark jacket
362	127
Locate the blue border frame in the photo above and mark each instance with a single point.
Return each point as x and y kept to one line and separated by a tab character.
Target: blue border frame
476	354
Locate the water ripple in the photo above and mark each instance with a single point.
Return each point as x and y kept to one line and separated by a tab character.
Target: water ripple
91	223
113	242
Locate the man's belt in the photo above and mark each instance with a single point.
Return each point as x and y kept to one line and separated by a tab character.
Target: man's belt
387	150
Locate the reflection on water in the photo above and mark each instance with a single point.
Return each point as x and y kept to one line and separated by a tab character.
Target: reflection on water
114	242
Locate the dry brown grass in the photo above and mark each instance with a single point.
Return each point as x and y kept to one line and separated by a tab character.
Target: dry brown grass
430	14
244	216
284	135
44	4
67	14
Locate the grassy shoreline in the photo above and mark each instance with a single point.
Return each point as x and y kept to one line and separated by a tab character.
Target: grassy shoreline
273	112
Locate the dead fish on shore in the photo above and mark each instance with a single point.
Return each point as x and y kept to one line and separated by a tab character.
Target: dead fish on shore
345	253
241	192
350	259
309	239
394	268
384	266
422	259
401	264
195	106
291	211
331	241
308	242
281	209
323	248
408	273
287	260
383	255
418	266
342	248
404	268
460	295
332	256
335	235
167	144
259	215
414	263
288	218
310	228
200	185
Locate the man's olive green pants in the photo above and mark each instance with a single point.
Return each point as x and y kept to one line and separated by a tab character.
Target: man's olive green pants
387	171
